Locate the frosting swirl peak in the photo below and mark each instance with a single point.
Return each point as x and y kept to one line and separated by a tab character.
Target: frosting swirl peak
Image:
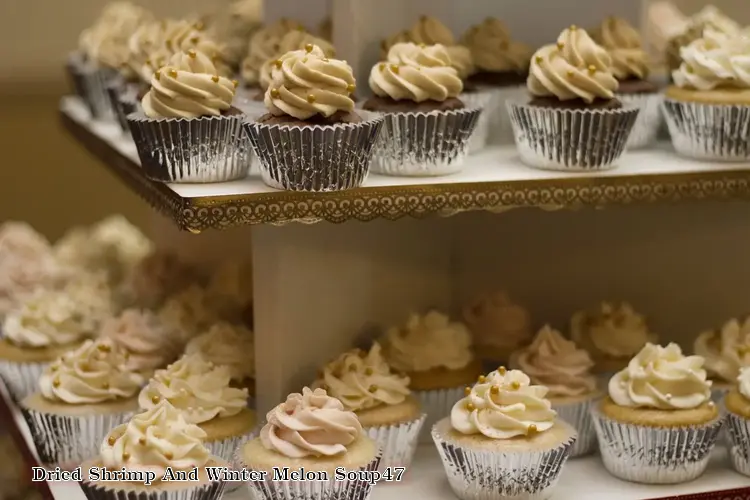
725	351
497	322
614	330
493	50
291	41
143	336
46	319
429	31
229	345
623	43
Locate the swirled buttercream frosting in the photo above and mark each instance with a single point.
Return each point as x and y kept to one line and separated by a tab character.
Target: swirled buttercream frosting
387	43
264	46
503	405
143	336
155	277
227	344
93	373
623	43
711	17
46	319
662	378
743	382
461	60
611	330
428	342
293	40
154	440
20	239
497	322
725	351
573	68
363	380
493	49
714	61
429	31
188	312
310	424
183	36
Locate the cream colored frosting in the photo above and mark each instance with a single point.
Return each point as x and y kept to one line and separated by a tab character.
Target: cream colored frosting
725	351
712	17
574	68
661	377
493	50
614	330
416	73
154	440
183	36
264	46
461	60
428	342
293	40
158	275
188	312
46	319
386	44
504	405
557	363
106	41
363	380
143	336
713	61
310	424
93	296
306	83
112	245
623	43
430	31
142	43
197	387
93	373
497	322
229	345
743	382
20	239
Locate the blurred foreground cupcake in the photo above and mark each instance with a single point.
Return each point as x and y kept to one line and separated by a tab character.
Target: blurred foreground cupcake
381	399
189	131
503	440
314	432
726	352
658	425
499	326
559	365
737	404
573	121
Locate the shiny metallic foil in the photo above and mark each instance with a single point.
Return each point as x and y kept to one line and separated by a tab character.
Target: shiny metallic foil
94	85
573	140
315	158
74	70
493	474
114	88
646	128
397	442
579	416
437	404
655	455
21	378
486	100
109	491
709	132
191	150
424	144
738	433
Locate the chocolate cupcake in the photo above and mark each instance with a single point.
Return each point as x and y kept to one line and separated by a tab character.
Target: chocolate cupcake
573	121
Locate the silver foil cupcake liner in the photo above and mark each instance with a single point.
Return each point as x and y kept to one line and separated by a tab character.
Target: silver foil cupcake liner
573	140
74	69
65	439
501	129
646	128
495	474
437	404
191	150
100	491
315	158
123	100
707	131
94	84
655	455
424	144
738	435
21	378
486	100
579	416
398	442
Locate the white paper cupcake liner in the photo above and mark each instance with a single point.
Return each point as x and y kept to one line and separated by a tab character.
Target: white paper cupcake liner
738	434
21	378
191	150
573	140
497	475
94	85
64	439
109	491
424	144
501	128
709	132
437	404
655	455
486	100
646	128
397	442
579	416
316	158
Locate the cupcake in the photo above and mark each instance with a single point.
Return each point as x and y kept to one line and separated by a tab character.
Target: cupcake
573	121
725	351
436	354
427	127
188	313
291	41
310	431
658	425
154	278
201	391
630	65
311	139
82	395
381	399
190	105
612	333
708	108
158	442
737	404
564	369
503	440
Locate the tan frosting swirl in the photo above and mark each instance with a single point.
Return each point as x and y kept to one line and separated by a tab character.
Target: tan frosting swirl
46	319
557	363
363	380
386	44
197	387
504	405
154	440
430	31
614	330
623	43
428	342
307	83
141	44
106	41
725	351
183	36
310	424
493	50
574	68
497	322
93	373
714	61
188	312
416	73
743	381
293	40
661	377
264	46
143	336
461	60
229	345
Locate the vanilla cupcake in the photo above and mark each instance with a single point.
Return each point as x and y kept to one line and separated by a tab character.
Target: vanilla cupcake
725	351
314	432
503	440
381	399
82	395
658	425
565	370
737	404
188	313
232	346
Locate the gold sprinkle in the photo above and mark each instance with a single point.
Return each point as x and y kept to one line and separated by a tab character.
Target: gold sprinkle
54	368
539	59
381	66
592	69
515	385
278	63
560	45
532	429
570	73
422	45
168	455
105	385
309	48
192	53
172	73
199	26
194	40
573	27
689	69
56	382
155	399
236	83
311	98
395	68
125	456
275	93
104	347
494	390
482	379
467	390
142	441
502	370
111	440
148	62
470	407
368	371
215	78
351	88
373	388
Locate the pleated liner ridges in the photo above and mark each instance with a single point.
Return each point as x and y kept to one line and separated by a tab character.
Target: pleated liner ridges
487	101
738	432
655	455
191	150
436	404
314	157
123	102
570	139
94	83
74	69
709	132
100	491
579	416
21	379
646	128
398	442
